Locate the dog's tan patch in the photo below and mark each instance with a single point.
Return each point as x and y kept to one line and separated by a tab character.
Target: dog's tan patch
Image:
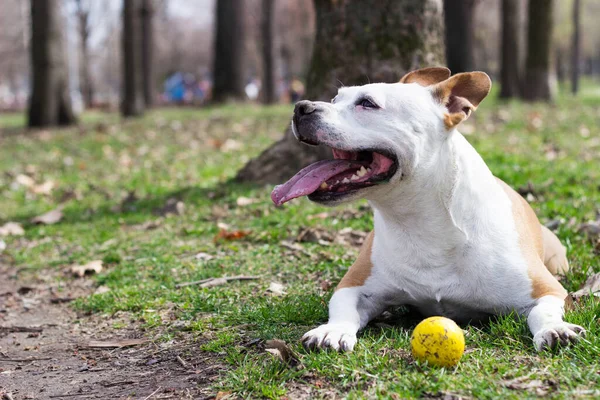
426	76
361	269
451	120
533	246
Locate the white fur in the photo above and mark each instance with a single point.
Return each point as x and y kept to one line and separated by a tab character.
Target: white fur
445	238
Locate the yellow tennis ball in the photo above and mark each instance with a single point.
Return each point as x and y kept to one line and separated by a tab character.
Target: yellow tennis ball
439	341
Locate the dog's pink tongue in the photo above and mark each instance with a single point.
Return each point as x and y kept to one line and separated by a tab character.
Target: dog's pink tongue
310	178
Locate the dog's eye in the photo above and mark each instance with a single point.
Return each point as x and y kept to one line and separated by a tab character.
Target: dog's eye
366	103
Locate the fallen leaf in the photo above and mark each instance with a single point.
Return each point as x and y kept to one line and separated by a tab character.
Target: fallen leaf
109	344
245	201
541	388
223	395
171	207
591	287
91	267
49	218
11	229
43	189
230	145
325	285
315	235
350	237
230	235
282	351
102	289
203	257
322	215
291	246
24	180
277	289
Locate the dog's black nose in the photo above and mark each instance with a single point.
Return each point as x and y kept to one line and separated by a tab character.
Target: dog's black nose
304	107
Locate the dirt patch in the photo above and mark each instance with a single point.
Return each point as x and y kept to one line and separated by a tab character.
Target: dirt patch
45	352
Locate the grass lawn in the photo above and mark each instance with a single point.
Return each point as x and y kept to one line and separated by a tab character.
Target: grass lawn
114	179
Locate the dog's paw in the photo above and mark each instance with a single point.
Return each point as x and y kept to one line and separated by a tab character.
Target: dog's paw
563	333
339	337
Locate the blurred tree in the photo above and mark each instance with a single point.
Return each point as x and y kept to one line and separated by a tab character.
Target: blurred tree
50	102
576	47
357	41
268	81
509	69
458	16
539	46
132	102
228	64
85	78
147	26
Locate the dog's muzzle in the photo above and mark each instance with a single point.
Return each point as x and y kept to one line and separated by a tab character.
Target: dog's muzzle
306	114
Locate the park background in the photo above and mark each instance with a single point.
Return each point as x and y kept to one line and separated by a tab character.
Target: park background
139	142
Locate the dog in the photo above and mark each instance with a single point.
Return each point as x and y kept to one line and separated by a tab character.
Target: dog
449	238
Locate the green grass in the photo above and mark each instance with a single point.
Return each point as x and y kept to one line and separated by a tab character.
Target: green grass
172	153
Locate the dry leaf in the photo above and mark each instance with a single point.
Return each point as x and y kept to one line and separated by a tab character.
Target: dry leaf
223	396
230	145
280	349
291	246
322	215
51	217
109	344
233	235
245	201
590	228
315	235
43	189
24	180
203	257
591	287
11	228
541	388
102	289
91	267
277	289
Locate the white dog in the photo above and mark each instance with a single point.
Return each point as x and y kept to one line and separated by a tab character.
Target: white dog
449	238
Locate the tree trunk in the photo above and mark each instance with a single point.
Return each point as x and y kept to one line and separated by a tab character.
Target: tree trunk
267	28
509	69
539	47
50	102
575	47
229	67
147	18
132	103
458	16
85	79
357	42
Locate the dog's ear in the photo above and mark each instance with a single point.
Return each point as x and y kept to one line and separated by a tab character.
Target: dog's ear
461	95
426	76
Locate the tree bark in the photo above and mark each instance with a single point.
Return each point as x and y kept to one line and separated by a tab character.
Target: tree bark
357	42
267	28
132	103
147	22
50	102
576	47
85	79
229	66
539	48
509	69
458	16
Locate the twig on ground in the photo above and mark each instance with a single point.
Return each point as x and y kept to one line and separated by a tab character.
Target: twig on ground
209	282
18	360
104	344
182	362
56	396
12	329
153	393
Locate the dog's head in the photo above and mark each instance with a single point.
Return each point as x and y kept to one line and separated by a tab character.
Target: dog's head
380	133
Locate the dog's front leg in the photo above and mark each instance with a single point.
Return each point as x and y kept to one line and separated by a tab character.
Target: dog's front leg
546	323
350	309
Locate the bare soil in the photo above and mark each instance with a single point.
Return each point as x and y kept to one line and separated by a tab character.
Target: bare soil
45	349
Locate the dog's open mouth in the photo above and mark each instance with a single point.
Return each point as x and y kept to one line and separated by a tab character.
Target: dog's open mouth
330	180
